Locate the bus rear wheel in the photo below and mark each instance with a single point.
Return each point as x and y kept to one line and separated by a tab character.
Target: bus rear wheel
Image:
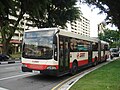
74	68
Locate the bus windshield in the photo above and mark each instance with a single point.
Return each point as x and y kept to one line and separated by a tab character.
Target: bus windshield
38	44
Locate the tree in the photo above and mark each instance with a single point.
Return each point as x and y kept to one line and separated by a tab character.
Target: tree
6	9
45	13
111	36
56	13
110	7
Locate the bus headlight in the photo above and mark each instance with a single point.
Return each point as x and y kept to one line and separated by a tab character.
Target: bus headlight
51	67
24	65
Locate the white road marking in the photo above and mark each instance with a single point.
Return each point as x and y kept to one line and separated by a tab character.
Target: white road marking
15	76
3	88
11	68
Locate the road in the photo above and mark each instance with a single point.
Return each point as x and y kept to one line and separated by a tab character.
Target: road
12	78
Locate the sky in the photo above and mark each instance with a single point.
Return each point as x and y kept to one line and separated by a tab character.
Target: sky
94	18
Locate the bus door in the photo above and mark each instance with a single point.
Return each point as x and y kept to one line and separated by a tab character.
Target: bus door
64	53
90	53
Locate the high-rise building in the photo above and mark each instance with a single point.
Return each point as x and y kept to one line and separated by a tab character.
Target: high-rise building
80	26
101	27
15	42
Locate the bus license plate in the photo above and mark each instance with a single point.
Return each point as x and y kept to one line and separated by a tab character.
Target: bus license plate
36	72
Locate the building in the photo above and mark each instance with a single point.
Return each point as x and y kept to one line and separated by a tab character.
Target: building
101	27
80	26
15	42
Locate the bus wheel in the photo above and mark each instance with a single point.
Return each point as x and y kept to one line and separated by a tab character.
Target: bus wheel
74	68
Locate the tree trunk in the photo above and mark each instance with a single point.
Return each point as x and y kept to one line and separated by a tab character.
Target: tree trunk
5	42
6	48
6	38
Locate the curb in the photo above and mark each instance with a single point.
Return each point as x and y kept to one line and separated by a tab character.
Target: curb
71	82
10	62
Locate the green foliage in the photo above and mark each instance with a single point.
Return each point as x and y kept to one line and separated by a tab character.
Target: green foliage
110	7
54	13
111	36
15	55
42	13
104	78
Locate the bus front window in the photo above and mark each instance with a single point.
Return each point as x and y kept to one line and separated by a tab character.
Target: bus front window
38	45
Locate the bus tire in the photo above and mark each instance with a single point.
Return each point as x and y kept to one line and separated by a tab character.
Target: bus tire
74	68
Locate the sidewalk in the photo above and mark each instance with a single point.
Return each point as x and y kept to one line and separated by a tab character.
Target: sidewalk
10	61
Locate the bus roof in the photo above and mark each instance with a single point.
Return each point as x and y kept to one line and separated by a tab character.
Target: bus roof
75	35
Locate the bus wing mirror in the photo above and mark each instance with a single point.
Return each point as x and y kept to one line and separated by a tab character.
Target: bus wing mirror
54	39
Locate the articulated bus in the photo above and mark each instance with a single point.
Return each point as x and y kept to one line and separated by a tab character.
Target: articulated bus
53	51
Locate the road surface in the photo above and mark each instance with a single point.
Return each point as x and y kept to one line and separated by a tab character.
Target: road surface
12	78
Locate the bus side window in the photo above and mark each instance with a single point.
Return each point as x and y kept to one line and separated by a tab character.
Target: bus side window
73	45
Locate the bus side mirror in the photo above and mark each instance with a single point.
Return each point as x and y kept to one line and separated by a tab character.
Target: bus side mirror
54	39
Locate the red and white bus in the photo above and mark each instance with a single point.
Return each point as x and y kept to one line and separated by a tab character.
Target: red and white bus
57	52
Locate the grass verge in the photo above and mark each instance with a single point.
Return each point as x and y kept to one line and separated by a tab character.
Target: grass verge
16	55
104	78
